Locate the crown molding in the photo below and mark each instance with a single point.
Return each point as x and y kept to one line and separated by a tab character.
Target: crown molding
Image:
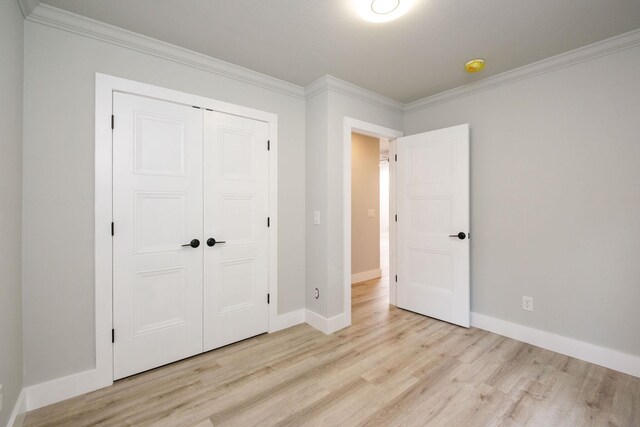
606	47
334	84
28	6
77	24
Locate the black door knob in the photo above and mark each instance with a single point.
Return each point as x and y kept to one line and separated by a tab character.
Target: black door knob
194	243
212	242
460	235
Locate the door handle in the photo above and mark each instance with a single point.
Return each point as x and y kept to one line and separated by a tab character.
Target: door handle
194	243
460	235
212	242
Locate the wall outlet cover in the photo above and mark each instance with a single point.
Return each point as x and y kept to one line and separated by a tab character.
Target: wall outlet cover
527	303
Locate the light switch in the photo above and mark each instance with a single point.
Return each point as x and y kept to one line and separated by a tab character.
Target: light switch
316	217
372	213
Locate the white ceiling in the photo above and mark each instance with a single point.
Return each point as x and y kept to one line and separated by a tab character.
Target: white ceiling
418	55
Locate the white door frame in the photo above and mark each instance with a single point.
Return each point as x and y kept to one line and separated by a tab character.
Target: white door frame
370	129
105	86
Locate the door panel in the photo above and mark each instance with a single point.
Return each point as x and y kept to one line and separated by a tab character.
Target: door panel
236	210
433	204
157	207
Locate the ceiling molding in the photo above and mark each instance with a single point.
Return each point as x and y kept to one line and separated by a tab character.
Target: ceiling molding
606	47
331	83
77	24
28	6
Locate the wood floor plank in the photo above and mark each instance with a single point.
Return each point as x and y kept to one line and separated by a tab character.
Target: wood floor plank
391	367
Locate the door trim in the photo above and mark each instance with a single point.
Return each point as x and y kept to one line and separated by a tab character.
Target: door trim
102	376
353	125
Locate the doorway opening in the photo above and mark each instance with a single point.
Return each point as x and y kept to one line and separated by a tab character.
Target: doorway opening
369	235
369	220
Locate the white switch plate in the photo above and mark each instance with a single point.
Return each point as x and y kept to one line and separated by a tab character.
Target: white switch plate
316	217
371	213
527	303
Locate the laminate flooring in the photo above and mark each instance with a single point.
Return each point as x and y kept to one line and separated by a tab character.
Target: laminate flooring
391	367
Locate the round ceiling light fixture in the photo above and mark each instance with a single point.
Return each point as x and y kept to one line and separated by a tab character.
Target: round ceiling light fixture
382	10
474	66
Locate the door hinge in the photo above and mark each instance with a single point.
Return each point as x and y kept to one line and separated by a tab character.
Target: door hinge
396	217
268	221
396	277
113	122
113	336
396	157
268	298
113	229
269	145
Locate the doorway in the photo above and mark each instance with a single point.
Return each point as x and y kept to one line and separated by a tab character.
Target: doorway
370	196
429	220
377	132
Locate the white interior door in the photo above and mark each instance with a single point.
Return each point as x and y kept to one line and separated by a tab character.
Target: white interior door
433	224
157	208
236	210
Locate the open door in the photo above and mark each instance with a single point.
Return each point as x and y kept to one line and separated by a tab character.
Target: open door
433	224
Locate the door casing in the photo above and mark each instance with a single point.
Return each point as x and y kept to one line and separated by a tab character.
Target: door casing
106	85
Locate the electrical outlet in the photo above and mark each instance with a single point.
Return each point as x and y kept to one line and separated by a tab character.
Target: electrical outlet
316	217
371	213
527	303
316	293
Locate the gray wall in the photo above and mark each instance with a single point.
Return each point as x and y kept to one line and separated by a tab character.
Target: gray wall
316	200
58	271
324	246
11	68
555	189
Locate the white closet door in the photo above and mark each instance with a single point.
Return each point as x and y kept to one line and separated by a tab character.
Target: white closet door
157	208
236	210
433	224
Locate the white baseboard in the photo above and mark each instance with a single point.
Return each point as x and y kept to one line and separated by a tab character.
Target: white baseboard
592	353
366	275
60	389
327	325
287	320
19	411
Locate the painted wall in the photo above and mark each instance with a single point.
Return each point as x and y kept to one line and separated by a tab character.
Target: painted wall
11	69
328	103
316	200
555	198
365	195
58	271
384	197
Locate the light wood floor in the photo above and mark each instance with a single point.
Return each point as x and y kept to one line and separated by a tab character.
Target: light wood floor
391	367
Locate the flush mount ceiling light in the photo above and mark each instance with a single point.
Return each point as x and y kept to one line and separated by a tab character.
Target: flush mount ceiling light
474	66
382	10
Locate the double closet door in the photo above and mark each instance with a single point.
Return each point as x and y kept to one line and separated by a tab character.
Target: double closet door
190	244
